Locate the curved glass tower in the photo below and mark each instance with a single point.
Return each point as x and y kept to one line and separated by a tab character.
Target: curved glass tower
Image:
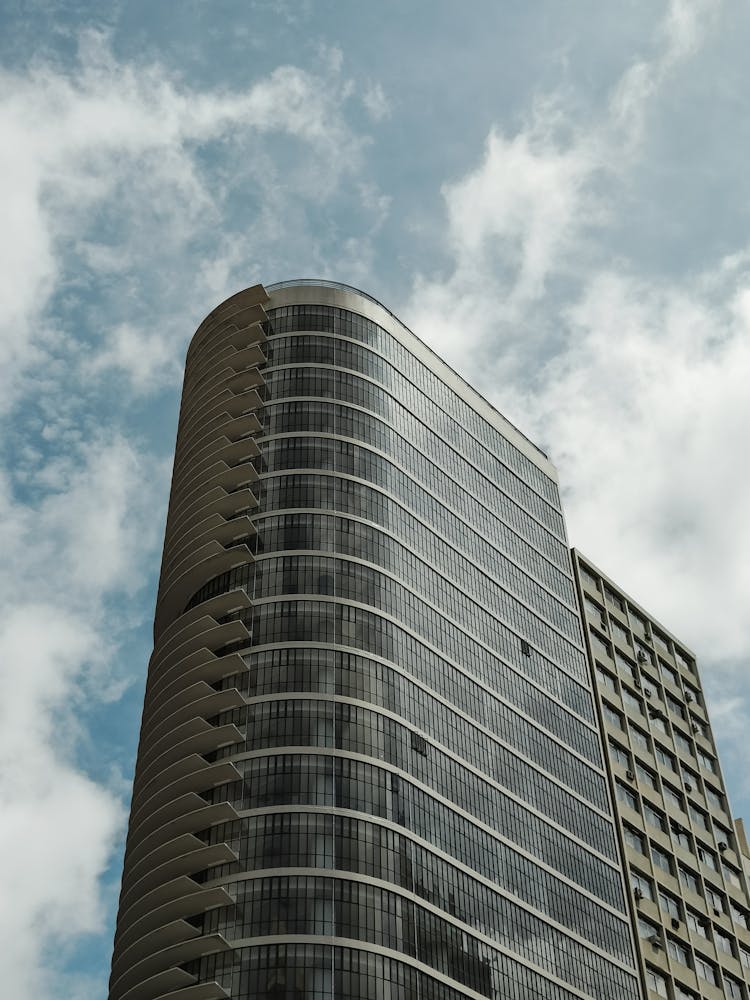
369	763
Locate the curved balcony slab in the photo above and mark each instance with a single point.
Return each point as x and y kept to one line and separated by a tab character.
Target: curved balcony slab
210	739
226	533
206	707
158	938
192	818
167	981
217	500
185	864
212	635
201	991
162	856
210	561
185	906
164	797
210	671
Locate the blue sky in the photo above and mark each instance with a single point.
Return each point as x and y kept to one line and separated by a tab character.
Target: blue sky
555	196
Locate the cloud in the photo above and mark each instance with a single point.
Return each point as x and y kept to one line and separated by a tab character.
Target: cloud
645	410
524	223
376	103
114	184
67	557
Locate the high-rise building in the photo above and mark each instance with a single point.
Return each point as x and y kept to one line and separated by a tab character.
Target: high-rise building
370	763
683	856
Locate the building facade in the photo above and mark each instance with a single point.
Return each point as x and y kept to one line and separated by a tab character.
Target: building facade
370	763
684	857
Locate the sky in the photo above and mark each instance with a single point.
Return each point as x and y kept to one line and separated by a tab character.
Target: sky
554	196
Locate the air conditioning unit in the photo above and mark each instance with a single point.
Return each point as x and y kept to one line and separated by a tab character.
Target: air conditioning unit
695	727
723	846
689	697
717	911
638	894
641	656
675	923
688	787
630	775
648	692
655	941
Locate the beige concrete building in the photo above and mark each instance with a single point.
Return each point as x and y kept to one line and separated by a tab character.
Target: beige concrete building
685	861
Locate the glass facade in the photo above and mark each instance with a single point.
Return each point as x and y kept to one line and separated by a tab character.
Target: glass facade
410	797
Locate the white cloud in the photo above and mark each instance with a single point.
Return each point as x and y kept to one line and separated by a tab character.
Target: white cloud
529	212
376	103
65	557
647	411
105	161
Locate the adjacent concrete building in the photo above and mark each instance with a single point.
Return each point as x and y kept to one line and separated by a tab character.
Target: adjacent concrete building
683	856
370	762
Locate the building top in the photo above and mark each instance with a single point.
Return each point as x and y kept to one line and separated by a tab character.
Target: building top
314	291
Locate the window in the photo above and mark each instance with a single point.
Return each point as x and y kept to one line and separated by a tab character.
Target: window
673	798
668	904
665	758
705	970
639	739
692	694
706	761
614	599
619	632
656	982
707	857
739	916
698	727
658	721
645	775
683	993
669	673
745	956
715	901
696	923
638	623
655	817
698	816
626	665
632	702
647	930
626	796
619	754
642	886
681	836
723	941
588	576
675	707
688	879
593	610
716	799
682	743
600	644
643	654
684	660
732	988
678	951
633	838
660	641
731	875
661	859
690	779
605	679
612	716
